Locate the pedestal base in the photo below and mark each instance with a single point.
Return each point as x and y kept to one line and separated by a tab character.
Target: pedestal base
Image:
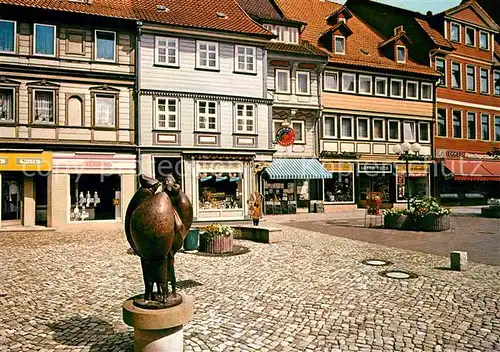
158	330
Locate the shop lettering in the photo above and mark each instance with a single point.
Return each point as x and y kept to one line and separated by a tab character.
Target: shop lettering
4	161
381	168
97	163
22	161
458	154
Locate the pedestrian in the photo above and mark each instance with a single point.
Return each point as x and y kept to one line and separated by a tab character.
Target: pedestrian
255	208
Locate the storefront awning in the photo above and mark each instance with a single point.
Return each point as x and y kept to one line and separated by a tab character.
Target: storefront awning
477	170
296	169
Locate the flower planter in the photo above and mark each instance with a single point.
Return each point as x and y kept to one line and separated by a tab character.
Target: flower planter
491	211
398	222
219	244
432	223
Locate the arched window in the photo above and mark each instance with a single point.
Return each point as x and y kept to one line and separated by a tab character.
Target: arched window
74	111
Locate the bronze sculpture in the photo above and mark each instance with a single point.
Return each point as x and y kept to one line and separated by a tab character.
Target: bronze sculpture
156	225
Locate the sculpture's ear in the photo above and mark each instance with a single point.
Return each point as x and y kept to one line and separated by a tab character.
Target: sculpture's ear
148	182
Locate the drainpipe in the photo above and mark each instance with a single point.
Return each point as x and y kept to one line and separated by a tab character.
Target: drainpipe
137	94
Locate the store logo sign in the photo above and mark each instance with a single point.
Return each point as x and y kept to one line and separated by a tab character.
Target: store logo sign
375	168
29	161
285	136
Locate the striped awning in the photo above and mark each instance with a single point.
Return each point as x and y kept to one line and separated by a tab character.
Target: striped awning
296	169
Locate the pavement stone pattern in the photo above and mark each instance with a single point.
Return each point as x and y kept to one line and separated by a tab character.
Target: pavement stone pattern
63	292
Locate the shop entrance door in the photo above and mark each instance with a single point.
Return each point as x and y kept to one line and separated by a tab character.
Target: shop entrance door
12	187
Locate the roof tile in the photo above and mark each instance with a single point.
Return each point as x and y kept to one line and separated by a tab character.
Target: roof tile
435	36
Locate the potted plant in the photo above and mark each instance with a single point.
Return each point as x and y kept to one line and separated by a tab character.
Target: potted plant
397	219
216	238
428	215
492	210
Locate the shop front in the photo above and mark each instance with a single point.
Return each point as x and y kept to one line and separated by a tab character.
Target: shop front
378	178
338	191
418	177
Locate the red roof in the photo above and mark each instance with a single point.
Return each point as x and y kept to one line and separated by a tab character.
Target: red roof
435	35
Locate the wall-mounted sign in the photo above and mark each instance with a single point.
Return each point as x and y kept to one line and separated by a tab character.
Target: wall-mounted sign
458	154
26	161
375	168
337	155
285	136
339	167
413	169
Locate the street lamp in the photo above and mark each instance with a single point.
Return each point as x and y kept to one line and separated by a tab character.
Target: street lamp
403	150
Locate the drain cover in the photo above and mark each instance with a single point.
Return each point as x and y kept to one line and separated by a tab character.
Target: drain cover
398	274
376	262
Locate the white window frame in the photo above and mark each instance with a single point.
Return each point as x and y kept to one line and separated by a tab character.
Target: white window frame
167	113
207	129
13	105
95	46
334	118
53	107
428	132
402	86
451	75
386	86
474	38
431	87
405	54
445	78
360	78
383	130
389	131
108	95
495	72
487	40
475	124
481	69
489	127
354	83
335	45
34	39
367	128
167	39
414	139
297	73
333	73
245	118
237	55
461	124
293	35
459	32
347	117
416	90
474	89
288	81
217	55
15	36
302	129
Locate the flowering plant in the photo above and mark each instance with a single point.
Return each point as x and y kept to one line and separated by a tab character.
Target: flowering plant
427	206
494	202
217	230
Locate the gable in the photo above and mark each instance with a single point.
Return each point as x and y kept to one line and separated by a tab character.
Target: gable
469	15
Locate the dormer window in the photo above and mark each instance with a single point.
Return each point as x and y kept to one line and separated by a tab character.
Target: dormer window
470	36
455	32
339	44
401	54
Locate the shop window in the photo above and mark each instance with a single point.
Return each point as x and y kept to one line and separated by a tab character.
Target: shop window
43	106
496	78
346	127
330	126
397	88
378	129
411	90
331	81
418	186
441	68
45	40
220	190
365	84
455	32
165	166
456	75
424	132
497	128
484	40
339	45
207	115
104	110
6	105
167	51
95	197
74	111
394	131
245	58
470	36
282	81
339	189
75	43
280	197
167	113
457	124
441	122
471	125
485	81
348	82
245	118
401	54
105	45
8	36
363	128
300	131
303	82
207	56
427	89
409	131
485	127
471	77
380	86
375	183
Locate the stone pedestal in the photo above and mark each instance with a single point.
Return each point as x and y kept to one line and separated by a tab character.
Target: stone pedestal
158	330
458	260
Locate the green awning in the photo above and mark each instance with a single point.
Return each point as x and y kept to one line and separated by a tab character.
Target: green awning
296	169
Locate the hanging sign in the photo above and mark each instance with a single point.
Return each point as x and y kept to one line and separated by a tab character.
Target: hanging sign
285	136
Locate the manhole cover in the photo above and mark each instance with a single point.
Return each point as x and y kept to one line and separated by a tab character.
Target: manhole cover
398	274
376	262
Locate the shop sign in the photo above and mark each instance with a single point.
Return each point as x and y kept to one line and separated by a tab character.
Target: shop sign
413	169
26	161
375	168
455	154
339	167
285	136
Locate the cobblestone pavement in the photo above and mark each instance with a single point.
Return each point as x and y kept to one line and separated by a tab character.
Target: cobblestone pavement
63	292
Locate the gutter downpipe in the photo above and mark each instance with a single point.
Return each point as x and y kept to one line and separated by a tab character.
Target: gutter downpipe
137	95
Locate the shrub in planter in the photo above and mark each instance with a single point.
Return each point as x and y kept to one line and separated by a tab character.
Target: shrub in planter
397	219
493	209
217	238
428	215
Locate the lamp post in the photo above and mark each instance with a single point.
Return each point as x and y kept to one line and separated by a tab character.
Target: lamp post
403	150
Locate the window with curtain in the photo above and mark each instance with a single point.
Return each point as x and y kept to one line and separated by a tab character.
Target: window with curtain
427	89
74	110
44	106
245	58
441	68
396	88
412	90
456	75
105	45
363	128
6	105
471	125
299	129
497	128
409	131
166	113
423	132
104	110
329	128
208	55
348	80
485	127
394	130
471	77
457	124
485	81
331	80
378	129
496	82
282	81
401	54
339	45
365	84
441	122
380	86
303	82
346	127
167	51
207	115
7	36
484	40
245	118
45	43
455	32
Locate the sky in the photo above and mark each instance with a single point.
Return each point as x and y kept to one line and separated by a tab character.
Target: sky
421	6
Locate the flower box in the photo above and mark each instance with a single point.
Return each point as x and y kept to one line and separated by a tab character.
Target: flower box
220	244
398	222
432	223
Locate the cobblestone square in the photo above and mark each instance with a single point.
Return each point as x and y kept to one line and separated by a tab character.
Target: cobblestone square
63	292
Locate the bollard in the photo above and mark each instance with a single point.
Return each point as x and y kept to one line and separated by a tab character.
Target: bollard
458	260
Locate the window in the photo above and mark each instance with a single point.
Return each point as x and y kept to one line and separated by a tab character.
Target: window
411	90
441	68
471	125
485	81
424	132
167	51
7	36
397	88
220	190
485	127
339	188
409	131
427	89
285	34
471	77
303	82
455	32
207	55
339	45
401	54
329	126
207	115
394	130
348	82
470	36
45	40
497	128
293	36
245	118
496	82
363	128
166	113
105	45
74	111
381	86
346	127
6	105
365	84
245	58
75	43
378	129
105	109
484	40
44	106
282	81
300	131
331	81
457	124
456	75
441	122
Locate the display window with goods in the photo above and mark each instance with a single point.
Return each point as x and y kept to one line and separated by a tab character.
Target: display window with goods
220	190
340	188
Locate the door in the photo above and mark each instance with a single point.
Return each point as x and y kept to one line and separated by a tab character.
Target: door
12	187
303	196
